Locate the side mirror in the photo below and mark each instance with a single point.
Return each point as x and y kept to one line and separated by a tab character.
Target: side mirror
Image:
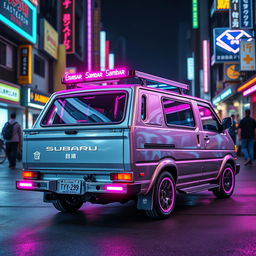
226	123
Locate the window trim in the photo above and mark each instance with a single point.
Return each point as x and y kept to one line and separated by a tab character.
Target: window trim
174	125
214	114
82	94
146	112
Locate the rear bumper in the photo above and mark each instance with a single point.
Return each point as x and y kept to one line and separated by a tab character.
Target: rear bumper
87	187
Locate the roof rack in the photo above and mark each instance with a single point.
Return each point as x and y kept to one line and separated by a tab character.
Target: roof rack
76	80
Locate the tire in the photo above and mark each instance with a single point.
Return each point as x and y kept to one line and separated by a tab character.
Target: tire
68	204
164	197
227	182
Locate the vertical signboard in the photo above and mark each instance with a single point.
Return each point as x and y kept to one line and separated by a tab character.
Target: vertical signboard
190	68
50	39
234	21
247	55
68	25
246	19
25	64
194	14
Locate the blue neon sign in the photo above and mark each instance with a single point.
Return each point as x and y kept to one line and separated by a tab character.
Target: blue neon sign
227	43
21	16
246	20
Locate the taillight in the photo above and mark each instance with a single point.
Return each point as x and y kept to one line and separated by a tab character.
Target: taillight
30	175
123	177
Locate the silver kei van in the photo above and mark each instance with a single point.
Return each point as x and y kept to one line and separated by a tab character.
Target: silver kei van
114	143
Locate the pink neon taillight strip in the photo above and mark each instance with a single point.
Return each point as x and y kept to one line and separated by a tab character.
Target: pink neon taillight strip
89	33
24	184
115	188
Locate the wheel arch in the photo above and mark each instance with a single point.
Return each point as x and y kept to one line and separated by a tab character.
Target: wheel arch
228	159
168	165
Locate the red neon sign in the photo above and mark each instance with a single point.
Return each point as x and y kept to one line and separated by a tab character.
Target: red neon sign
68	25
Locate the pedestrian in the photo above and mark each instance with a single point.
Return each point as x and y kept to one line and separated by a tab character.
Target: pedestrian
232	129
246	133
12	135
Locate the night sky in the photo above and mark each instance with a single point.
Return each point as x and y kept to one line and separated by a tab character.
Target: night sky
151	31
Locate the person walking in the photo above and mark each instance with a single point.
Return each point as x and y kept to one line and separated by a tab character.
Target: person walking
12	135
232	129
246	131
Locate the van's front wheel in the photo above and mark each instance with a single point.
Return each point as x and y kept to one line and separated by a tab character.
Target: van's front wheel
164	197
68	204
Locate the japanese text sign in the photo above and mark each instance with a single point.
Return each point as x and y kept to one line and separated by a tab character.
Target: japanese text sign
246	20
234	14
227	44
247	55
21	16
222	5
68	25
25	64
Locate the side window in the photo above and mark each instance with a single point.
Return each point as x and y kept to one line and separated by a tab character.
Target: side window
143	108
178	113
209	121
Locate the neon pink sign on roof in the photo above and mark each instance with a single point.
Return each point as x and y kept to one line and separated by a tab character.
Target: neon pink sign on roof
96	76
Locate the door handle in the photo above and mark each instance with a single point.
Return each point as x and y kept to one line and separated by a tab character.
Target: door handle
206	138
70	132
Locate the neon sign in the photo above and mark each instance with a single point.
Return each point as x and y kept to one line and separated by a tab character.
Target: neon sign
68	25
21	16
108	74
227	44
89	34
206	65
194	14
225	94
250	90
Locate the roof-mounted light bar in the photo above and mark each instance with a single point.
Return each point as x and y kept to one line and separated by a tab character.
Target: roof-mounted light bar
110	75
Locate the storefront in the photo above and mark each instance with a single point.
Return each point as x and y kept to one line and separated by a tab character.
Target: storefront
248	93
9	102
34	102
225	102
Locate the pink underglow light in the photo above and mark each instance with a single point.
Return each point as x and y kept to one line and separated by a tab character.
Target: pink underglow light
96	76
24	184
89	34
250	90
206	65
114	188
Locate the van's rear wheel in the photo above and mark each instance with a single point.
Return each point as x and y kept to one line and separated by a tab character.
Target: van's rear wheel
68	204
227	182
164	197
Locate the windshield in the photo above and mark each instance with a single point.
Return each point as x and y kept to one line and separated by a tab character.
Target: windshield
95	108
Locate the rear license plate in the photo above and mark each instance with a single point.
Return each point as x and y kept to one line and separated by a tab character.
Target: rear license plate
69	186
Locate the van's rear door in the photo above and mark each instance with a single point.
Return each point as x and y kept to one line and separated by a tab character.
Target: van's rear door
80	131
87	149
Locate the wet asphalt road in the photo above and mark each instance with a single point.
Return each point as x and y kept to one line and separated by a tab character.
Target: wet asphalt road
200	225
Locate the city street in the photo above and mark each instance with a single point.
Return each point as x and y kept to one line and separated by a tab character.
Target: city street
200	225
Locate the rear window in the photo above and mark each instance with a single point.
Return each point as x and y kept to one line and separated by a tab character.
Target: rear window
96	108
